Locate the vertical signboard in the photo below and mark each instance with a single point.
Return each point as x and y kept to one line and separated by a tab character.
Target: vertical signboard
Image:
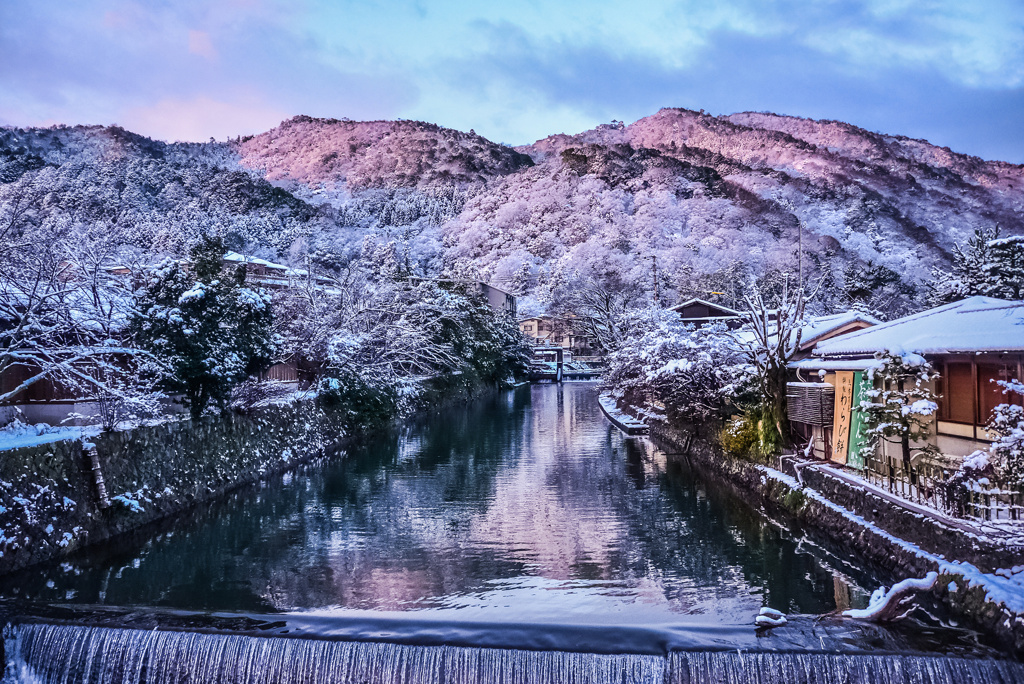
842	416
861	384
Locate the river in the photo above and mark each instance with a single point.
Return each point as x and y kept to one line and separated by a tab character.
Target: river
525	508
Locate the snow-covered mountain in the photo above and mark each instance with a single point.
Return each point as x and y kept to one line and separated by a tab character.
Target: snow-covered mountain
355	155
712	199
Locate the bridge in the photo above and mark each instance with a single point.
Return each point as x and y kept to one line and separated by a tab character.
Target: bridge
555	364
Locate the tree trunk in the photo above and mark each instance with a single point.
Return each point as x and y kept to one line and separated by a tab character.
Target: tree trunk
905	445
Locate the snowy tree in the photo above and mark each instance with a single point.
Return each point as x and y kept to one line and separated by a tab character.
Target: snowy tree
607	314
902	404
968	276
1005	270
1008	424
409	332
768	341
208	328
986	265
879	290
63	310
696	373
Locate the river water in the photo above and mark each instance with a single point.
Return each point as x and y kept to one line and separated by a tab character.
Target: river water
524	508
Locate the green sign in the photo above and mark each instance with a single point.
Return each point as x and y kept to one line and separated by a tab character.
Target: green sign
854	458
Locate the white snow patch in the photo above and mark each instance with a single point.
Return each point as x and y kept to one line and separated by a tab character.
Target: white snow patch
881	598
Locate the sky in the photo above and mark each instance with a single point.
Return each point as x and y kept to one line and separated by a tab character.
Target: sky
950	71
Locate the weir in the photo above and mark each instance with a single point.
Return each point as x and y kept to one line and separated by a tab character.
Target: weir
63	654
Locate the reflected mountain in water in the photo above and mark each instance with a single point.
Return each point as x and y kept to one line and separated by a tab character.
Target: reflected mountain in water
525	505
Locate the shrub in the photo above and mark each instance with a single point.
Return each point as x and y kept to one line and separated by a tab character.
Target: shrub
739	436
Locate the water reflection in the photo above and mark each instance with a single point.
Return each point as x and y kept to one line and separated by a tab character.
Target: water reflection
523	506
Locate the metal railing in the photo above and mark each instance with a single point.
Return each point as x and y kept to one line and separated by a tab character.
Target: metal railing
934	485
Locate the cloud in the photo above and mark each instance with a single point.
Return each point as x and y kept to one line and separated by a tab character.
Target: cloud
202	117
519	69
736	72
200	43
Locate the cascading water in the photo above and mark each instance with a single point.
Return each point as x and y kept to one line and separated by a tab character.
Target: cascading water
62	654
828	668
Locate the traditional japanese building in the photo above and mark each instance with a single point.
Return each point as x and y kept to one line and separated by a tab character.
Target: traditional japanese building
701	312
972	344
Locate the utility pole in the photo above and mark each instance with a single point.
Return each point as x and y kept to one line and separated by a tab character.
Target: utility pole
800	256
657	290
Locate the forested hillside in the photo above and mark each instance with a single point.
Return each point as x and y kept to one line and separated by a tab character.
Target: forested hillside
706	203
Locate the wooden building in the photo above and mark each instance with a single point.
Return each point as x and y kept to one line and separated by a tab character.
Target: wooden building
972	344
701	312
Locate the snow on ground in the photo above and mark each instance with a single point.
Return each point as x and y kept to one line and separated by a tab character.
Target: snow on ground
881	598
18	435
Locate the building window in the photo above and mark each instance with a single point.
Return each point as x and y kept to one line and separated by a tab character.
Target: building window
970	391
958	393
990	392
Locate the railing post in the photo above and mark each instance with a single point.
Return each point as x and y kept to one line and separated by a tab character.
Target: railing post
93	458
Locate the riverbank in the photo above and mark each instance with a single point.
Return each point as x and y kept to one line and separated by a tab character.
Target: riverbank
66	491
60	496
978	579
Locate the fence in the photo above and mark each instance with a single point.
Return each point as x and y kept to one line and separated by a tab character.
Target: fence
932	485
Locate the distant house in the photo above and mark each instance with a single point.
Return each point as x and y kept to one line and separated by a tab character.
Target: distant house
263	273
566	333
498	299
701	312
47	399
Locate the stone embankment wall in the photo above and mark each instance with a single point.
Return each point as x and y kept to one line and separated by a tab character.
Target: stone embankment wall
896	539
51	504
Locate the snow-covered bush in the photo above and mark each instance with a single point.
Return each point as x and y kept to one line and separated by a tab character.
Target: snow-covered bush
975	472
740	436
695	372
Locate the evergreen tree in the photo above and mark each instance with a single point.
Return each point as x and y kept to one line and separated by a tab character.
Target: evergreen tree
986	265
902	404
1004	272
969	276
878	290
206	326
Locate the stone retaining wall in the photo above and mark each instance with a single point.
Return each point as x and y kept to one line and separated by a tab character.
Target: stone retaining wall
834	512
49	504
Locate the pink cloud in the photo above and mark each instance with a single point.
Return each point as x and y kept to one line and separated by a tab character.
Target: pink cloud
200	43
201	118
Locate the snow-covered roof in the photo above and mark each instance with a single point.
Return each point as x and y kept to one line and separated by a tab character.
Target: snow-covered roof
244	258
696	300
814	364
818	327
975	324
